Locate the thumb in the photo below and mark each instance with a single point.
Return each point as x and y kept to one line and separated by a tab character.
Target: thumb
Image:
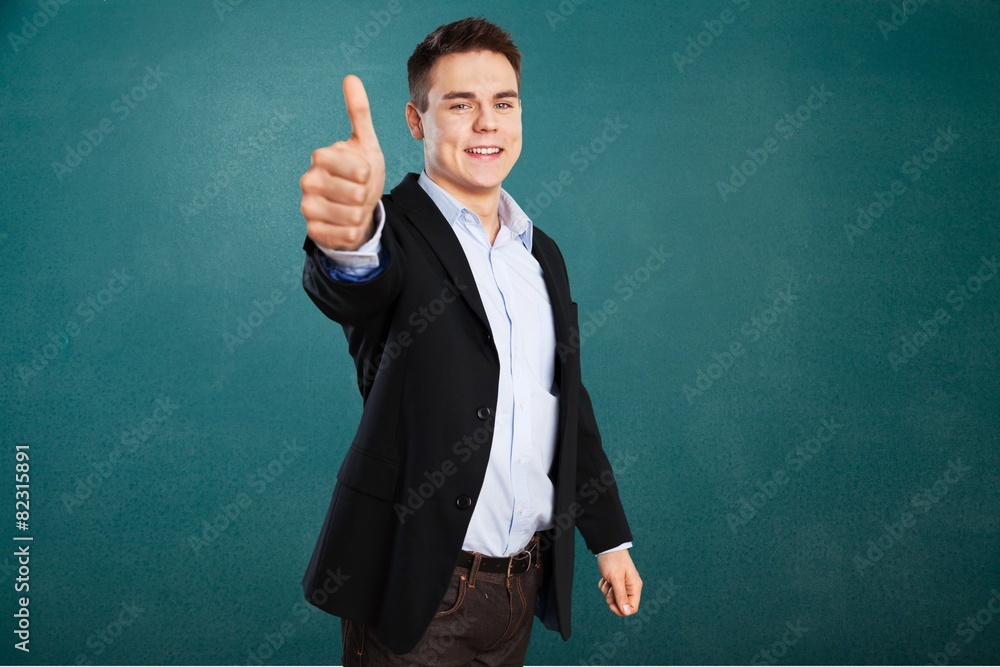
359	112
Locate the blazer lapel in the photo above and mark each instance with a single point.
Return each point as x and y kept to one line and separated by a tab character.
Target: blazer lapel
439	235
428	220
560	305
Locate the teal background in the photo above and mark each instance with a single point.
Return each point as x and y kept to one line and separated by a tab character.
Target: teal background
121	523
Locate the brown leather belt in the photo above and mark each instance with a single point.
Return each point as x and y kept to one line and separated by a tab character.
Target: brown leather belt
508	565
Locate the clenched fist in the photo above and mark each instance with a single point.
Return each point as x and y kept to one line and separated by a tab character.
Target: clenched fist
344	182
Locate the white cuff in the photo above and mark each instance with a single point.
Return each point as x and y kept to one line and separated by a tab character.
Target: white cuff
626	545
366	256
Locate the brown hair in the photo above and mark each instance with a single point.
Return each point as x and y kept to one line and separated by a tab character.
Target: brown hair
470	34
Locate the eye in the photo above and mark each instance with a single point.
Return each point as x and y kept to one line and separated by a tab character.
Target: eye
460	104
505	105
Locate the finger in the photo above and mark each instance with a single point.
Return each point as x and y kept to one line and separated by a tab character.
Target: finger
620	596
336	237
333	188
359	111
338	160
330	213
636	592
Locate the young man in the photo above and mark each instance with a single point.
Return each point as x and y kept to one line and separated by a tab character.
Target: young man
451	522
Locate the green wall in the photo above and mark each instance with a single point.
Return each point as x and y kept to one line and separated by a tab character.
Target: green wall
801	402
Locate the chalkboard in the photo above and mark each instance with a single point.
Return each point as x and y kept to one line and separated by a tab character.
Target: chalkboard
799	395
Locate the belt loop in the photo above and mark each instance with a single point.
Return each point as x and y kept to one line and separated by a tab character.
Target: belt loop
475	569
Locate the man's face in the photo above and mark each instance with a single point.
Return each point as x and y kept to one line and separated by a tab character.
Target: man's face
472	127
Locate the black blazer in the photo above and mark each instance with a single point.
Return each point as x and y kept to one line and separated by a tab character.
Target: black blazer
388	545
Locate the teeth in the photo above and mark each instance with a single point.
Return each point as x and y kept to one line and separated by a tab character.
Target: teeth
483	151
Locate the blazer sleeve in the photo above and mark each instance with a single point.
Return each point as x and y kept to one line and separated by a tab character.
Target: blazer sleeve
358	304
602	521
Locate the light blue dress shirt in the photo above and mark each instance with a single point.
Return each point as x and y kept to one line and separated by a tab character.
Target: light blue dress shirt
517	497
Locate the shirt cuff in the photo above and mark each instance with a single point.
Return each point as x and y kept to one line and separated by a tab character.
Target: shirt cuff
365	257
356	275
626	545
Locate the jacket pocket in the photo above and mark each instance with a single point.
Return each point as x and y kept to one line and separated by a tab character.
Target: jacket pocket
367	474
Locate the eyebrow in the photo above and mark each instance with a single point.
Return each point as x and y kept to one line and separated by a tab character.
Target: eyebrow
466	95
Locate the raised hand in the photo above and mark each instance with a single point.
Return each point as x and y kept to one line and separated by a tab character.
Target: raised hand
344	182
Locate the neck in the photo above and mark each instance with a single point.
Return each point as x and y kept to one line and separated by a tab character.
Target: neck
484	203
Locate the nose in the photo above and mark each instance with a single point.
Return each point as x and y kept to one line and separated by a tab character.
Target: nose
486	120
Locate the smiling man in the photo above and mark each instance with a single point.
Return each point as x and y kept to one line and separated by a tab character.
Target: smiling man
452	519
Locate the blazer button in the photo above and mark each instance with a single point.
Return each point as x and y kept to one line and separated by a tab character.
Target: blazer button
489	338
483	412
463	502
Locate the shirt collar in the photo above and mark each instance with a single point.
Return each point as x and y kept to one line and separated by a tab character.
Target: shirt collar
511	215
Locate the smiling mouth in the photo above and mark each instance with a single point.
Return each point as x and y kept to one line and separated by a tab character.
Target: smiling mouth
491	150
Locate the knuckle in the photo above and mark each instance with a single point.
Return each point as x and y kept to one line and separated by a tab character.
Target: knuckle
307	207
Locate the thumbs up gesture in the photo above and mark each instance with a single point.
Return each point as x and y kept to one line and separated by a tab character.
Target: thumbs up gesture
344	182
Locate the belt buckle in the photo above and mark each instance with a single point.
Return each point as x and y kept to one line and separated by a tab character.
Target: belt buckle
510	561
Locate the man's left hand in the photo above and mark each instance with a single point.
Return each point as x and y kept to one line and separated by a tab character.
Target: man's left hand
620	582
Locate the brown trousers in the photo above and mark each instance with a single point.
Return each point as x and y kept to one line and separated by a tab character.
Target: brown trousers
484	619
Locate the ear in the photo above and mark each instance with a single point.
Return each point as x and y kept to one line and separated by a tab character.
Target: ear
414	121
